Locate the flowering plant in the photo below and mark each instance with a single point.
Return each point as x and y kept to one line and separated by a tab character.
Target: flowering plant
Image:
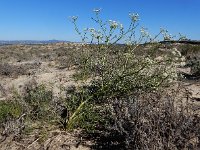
117	71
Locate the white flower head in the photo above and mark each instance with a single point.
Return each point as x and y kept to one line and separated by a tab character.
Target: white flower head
113	24
167	36
85	29
165	74
177	53
183	59
182	37
98	35
74	18
121	26
134	16
92	29
148	60
97	10
144	32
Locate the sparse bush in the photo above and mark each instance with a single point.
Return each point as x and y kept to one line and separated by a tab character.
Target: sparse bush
10	70
38	100
156	121
11	118
191	52
9	110
34	109
67	58
195	66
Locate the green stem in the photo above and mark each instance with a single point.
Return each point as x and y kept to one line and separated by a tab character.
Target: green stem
69	122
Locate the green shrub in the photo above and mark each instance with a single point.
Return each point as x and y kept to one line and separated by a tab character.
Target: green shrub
38	100
9	110
194	63
190	50
85	108
117	70
124	96
34	109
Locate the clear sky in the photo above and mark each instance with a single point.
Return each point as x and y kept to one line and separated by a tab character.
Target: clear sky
48	19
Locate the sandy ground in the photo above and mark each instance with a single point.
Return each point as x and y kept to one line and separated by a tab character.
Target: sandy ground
57	140
49	76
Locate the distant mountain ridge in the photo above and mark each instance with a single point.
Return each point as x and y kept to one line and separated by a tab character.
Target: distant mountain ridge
32	42
182	41
5	42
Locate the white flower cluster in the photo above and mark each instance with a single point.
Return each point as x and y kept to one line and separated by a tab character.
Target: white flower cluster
95	34
160	65
176	53
144	32
113	24
97	10
165	34
149	61
74	18
180	60
134	16
182	37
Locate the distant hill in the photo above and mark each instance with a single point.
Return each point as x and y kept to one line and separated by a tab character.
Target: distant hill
29	42
182	41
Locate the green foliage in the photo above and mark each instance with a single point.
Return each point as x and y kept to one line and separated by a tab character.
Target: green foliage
33	109
117	70
194	63
84	109
38	96
190	50
39	101
123	88
81	75
10	110
191	53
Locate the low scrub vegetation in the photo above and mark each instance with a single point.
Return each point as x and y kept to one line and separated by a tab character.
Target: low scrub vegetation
10	70
35	109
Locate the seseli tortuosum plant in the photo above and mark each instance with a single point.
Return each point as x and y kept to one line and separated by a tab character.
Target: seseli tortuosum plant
117	71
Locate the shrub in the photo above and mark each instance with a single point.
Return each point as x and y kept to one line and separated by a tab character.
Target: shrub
155	121
123	85
115	70
35	109
194	64
9	110
11	70
39	102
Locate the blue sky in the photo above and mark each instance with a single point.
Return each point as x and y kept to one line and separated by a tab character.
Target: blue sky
48	19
